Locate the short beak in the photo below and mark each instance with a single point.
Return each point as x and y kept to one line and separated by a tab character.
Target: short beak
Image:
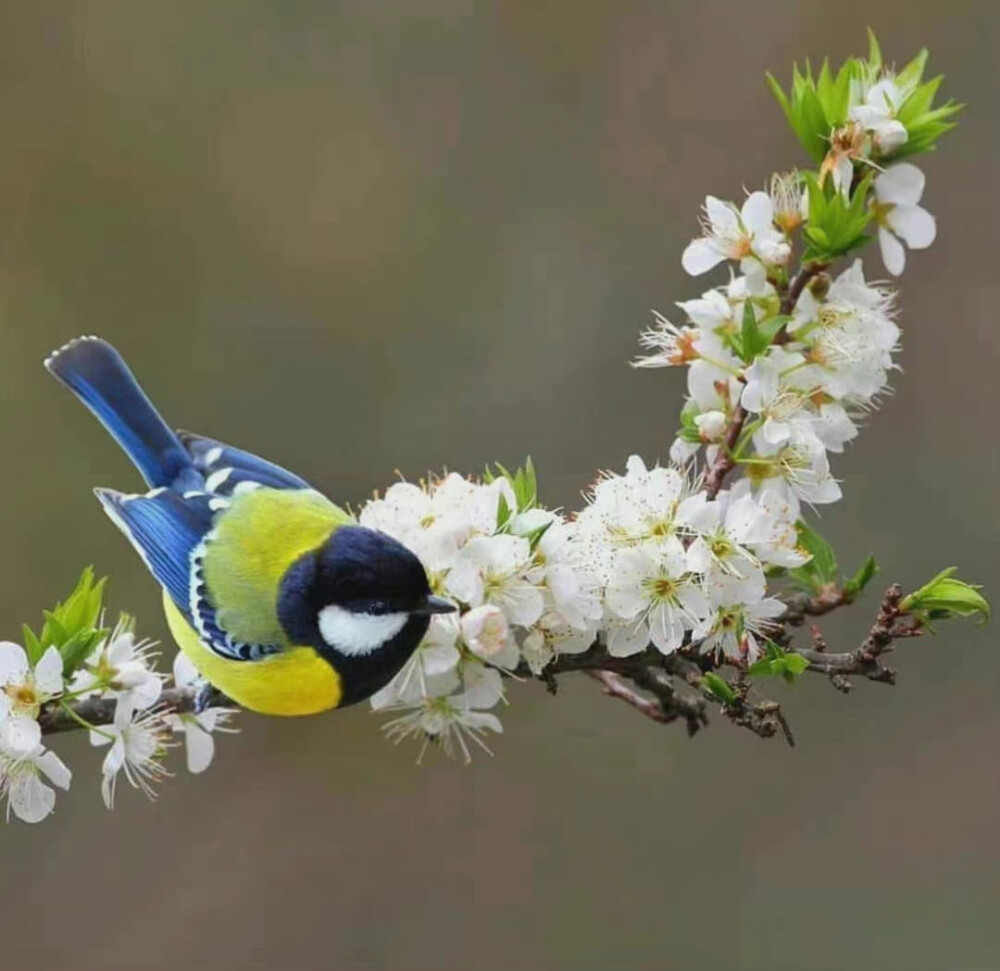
435	605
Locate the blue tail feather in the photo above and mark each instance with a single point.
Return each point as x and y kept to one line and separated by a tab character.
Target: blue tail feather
100	378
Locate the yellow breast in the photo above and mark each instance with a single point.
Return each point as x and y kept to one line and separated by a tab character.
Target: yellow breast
295	682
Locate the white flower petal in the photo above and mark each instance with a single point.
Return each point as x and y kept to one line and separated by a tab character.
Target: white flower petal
48	672
914	225
893	253
199	747
30	798
13	663
757	212
700	256
721	215
902	185
20	735
627	639
185	673
54	767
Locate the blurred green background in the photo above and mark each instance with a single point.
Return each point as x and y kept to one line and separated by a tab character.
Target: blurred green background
365	236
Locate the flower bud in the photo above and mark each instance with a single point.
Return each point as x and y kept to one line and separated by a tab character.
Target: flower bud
819	286
711	425
485	631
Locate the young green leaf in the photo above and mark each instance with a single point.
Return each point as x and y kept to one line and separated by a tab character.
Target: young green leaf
861	579
719	688
945	597
821	570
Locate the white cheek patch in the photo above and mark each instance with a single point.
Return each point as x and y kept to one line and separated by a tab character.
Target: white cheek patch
358	634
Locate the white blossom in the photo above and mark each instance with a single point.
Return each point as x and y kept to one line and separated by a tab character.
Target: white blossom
487	634
654	597
139	741
453	720
23	690
875	107
121	667
898	191
22	785
748	235
197	728
739	618
491	569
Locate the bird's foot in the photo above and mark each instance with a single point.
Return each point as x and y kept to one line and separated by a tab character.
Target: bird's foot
209	697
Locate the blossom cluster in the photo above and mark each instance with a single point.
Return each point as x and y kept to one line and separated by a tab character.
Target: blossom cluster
525	596
120	670
783	364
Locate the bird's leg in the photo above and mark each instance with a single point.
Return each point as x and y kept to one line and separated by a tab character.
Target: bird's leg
209	696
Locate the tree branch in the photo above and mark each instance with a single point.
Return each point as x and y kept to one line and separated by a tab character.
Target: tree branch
667	688
98	711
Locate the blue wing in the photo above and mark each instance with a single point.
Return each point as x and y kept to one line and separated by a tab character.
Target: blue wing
225	467
169	530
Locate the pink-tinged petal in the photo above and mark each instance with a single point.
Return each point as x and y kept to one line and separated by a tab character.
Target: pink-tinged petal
48	672
902	185
721	215
757	212
700	256
893	254
914	225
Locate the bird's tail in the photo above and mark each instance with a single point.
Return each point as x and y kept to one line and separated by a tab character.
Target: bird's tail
96	373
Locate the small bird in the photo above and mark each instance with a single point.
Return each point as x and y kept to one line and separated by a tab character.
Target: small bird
281	601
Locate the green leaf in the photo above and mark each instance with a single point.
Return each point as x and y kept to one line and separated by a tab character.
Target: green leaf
535	536
861	579
836	225
503	513
719	688
795	664
78	648
778	663
32	647
821	570
914	71
874	50
945	597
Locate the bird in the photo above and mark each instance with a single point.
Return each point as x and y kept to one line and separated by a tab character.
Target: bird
282	601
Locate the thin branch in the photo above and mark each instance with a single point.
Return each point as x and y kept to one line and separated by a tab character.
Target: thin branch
802	605
98	711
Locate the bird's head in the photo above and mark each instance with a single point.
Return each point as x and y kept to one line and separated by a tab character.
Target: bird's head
364	602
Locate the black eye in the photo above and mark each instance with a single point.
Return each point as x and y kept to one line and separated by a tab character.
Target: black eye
378	607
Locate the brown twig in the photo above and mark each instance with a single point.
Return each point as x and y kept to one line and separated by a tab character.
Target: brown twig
99	711
802	605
